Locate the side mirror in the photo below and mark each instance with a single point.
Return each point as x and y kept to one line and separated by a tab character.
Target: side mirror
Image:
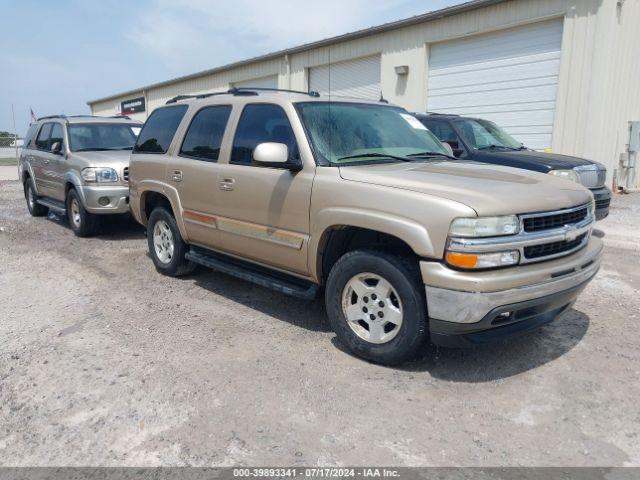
56	148
275	155
448	148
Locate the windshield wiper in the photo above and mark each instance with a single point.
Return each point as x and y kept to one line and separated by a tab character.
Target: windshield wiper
93	149
492	146
431	154
375	155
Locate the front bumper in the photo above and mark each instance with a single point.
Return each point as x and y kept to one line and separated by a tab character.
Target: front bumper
602	196
469	317
118	199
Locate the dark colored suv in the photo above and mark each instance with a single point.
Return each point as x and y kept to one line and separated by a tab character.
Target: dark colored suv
484	141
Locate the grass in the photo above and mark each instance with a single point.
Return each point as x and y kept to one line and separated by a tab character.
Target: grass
8	161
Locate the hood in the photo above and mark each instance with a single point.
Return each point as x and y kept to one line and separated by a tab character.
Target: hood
488	189
111	158
530	160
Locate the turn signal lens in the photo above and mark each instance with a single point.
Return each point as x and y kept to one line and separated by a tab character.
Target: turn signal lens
477	261
462	260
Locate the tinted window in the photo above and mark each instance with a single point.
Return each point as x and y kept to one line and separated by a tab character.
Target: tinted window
56	135
158	131
42	142
261	123
204	137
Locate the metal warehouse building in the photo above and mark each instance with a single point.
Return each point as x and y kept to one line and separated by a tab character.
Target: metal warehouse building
558	74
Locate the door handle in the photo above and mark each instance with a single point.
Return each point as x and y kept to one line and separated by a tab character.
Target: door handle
227	184
176	176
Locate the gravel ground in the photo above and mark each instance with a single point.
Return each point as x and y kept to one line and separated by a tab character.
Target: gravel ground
105	362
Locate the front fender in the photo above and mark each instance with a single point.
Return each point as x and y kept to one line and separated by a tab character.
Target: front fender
409	231
74	179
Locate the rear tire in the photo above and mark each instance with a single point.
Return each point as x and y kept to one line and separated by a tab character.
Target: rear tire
166	247
83	223
35	209
377	307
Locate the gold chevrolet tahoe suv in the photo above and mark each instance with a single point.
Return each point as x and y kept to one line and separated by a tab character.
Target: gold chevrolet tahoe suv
304	193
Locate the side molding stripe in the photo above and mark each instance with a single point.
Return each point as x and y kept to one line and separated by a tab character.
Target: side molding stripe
246	229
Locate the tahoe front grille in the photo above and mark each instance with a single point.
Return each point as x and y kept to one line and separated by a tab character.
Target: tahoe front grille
554	220
555	248
125	174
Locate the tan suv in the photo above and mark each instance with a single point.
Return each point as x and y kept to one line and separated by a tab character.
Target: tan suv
299	192
78	166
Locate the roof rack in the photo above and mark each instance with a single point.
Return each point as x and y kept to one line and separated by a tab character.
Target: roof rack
52	116
239	91
177	98
443	114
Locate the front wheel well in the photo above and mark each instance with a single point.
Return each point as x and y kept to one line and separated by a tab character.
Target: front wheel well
68	186
342	239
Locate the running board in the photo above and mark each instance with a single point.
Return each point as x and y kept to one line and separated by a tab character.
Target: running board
52	205
262	276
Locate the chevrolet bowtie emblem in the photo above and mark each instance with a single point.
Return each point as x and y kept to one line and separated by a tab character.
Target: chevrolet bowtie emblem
571	234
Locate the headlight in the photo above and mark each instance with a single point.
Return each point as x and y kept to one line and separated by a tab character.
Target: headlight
485	226
99	174
566	174
477	261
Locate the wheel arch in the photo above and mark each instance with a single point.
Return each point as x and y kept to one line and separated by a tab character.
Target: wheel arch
352	230
153	197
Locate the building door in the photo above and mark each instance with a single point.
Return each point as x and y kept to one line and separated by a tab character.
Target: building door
358	78
509	77
265	82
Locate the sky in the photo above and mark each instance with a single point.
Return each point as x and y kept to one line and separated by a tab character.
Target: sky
58	54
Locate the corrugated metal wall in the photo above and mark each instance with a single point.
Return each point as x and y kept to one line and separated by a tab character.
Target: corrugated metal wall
599	67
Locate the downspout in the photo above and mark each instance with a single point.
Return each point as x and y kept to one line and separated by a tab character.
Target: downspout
288	70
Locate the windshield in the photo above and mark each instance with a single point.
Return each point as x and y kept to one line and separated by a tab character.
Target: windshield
356	132
483	134
102	136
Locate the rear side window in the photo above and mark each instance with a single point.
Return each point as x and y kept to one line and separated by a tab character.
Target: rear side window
204	136
159	129
42	141
261	123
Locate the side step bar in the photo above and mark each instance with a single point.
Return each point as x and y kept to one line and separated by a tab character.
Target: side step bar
280	282
54	205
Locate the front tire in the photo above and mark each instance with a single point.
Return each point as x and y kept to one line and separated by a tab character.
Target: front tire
377	307
166	246
35	209
83	223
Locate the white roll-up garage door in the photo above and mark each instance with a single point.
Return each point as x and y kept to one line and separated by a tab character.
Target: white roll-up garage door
509	77
264	82
354	78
